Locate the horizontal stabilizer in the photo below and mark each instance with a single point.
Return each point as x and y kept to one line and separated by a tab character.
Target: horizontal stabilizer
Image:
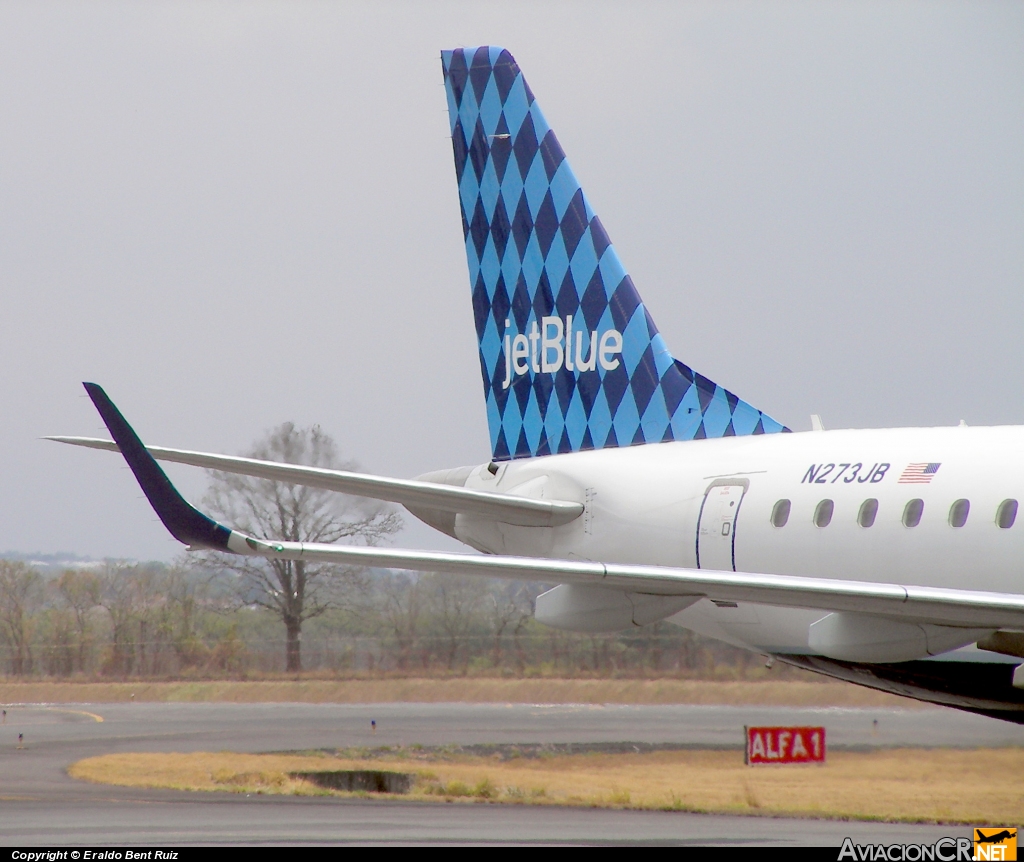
505	508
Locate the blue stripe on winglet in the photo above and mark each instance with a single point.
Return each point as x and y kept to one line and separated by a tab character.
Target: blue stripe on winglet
185	523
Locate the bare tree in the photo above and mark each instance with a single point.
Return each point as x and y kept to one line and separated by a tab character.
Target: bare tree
511	606
400	604
457	600
81	593
524	620
126	592
296	590
184	596
20	597
58	641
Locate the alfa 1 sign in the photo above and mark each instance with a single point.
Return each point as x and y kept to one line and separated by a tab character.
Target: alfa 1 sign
785	745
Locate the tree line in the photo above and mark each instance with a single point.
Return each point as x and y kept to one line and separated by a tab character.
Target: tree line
128	620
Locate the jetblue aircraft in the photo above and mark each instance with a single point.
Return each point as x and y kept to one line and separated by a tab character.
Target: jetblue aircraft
889	558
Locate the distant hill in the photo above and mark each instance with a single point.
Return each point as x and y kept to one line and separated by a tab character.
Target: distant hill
49	563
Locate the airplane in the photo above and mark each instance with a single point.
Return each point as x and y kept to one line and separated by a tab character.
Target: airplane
889	558
996	838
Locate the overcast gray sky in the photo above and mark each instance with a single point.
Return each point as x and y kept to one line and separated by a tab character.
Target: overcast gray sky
236	214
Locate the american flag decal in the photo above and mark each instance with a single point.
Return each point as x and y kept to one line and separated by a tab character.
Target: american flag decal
918	474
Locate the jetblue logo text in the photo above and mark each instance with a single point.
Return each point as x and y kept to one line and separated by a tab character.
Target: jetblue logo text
551	346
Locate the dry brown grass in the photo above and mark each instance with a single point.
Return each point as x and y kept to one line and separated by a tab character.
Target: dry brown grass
464	690
955	786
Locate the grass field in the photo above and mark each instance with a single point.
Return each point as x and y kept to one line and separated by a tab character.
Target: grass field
901	784
460	689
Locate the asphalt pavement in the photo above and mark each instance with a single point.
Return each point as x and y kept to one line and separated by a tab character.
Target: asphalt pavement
41	805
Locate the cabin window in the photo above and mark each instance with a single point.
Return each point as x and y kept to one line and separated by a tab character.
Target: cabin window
958	513
780	513
912	513
1006	514
868	512
823	513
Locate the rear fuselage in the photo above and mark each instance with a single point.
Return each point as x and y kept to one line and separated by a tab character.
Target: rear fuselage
794	504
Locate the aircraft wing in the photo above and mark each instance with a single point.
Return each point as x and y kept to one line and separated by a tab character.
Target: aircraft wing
961	608
949	607
427	495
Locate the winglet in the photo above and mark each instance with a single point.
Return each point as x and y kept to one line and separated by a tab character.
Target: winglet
185	523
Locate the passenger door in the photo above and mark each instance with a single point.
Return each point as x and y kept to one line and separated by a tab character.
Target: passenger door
716	524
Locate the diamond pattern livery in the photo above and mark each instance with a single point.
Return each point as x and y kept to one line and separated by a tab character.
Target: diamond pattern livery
588	368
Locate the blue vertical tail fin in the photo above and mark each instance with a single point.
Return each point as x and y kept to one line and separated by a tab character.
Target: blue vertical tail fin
571	359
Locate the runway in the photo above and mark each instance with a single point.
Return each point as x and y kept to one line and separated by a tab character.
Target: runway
41	805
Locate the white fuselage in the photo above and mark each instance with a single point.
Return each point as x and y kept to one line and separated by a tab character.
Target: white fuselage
709	504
